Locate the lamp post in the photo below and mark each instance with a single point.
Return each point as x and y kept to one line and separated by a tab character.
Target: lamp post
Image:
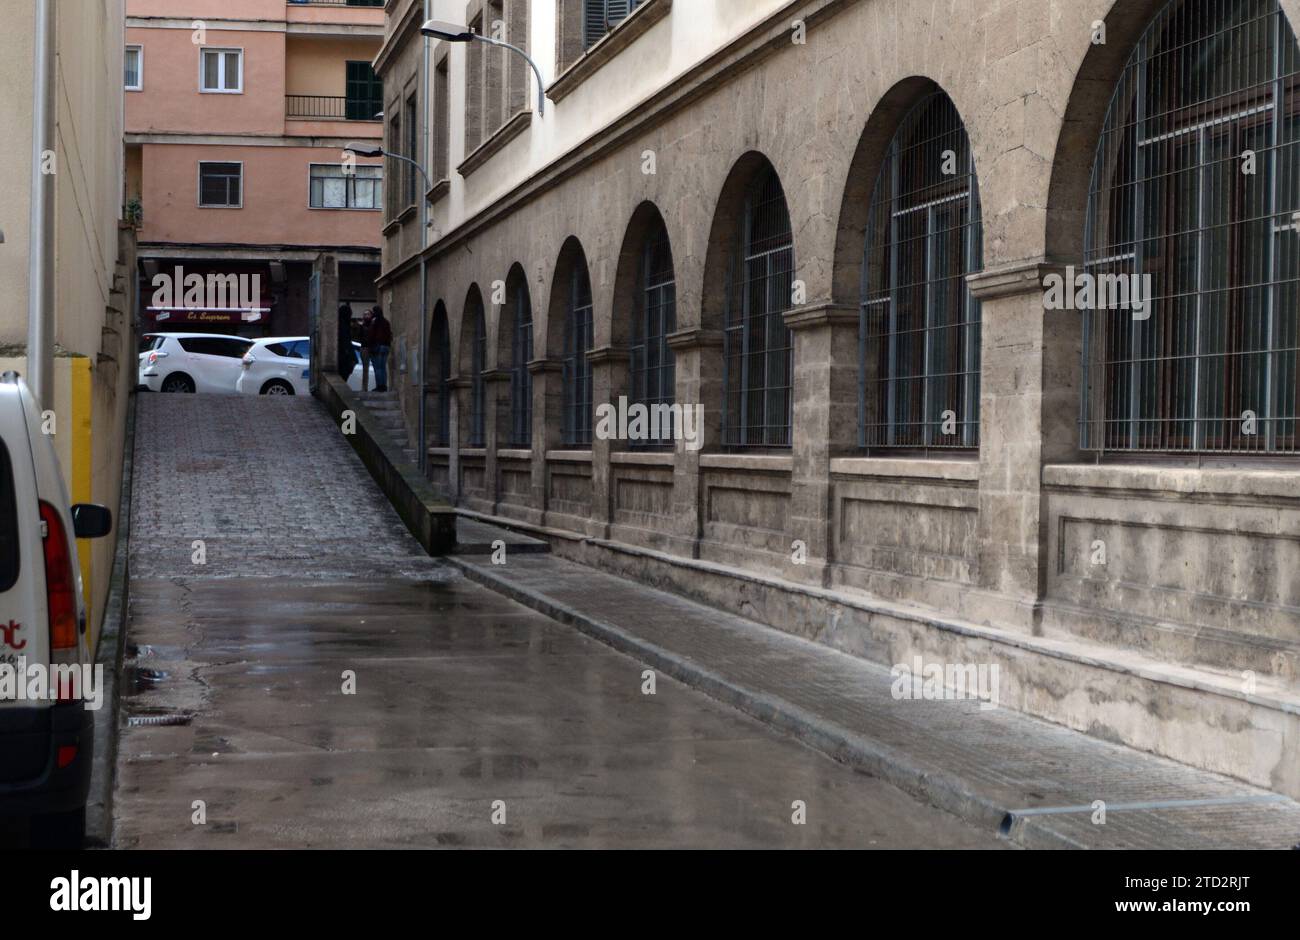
374	150
451	32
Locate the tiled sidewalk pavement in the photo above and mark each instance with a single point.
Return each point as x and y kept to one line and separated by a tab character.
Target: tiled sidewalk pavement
982	765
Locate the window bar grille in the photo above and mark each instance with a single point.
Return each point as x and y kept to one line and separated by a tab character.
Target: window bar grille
521	381
477	436
577	377
1211	369
756	342
653	369
919	324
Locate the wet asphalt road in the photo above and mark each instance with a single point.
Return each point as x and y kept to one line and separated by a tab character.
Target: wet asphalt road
470	720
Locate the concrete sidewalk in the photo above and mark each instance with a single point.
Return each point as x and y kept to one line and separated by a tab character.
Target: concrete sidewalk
1036	782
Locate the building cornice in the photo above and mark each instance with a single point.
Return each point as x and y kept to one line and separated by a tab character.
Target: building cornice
350	30
410	22
627	31
494	144
244	140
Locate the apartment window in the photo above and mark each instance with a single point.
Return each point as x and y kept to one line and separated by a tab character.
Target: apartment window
393	169
600	16
757	347
576	380
442	122
410	175
133	68
335	187
919	325
364	92
653	368
221	185
1208	364
494	68
221	71
474	58
521	380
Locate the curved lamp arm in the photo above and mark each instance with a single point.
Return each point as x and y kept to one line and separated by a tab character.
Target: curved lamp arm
541	85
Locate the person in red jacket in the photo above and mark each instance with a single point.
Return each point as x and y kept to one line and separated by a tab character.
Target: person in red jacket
380	339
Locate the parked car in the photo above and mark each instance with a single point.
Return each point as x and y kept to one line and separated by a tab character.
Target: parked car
193	362
278	365
46	745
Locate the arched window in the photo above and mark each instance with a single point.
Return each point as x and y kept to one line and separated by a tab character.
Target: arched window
521	381
576	383
478	363
919	326
440	354
653	365
1193	210
757	361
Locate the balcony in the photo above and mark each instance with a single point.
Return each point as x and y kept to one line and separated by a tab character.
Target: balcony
330	107
337	3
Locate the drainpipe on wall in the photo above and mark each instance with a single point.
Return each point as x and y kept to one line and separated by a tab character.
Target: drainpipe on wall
422	439
40	261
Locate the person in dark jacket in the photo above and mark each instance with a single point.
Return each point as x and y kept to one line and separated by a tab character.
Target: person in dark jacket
347	352
364	338
380	340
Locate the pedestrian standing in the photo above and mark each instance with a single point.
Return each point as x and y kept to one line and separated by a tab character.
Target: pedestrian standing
347	358
366	319
381	339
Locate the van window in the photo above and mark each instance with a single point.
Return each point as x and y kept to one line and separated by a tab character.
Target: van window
8	523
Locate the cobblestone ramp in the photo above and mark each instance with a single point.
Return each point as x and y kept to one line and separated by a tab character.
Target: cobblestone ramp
268	486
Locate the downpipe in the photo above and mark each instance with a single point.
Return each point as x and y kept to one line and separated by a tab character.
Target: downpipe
40	259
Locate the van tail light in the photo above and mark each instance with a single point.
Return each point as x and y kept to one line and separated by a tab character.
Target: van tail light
60	592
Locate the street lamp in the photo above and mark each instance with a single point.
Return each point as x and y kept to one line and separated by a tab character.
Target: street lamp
371	149
451	32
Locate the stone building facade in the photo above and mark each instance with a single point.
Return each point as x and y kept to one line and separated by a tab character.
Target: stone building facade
840	222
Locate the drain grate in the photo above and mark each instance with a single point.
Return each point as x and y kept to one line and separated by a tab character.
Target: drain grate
154	721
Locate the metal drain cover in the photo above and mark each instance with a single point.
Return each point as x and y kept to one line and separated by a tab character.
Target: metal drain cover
153	721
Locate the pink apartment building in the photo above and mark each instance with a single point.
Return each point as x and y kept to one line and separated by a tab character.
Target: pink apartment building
237	113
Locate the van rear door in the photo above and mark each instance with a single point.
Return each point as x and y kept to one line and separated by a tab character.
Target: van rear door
24	628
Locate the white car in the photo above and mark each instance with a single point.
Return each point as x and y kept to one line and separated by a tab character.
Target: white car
46	742
279	365
192	362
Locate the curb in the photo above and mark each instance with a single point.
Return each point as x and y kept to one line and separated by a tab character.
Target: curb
112	644
946	791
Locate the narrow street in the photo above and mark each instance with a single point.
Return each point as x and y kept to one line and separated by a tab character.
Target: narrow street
267	569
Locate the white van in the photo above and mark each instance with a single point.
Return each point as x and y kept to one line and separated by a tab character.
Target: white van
46	740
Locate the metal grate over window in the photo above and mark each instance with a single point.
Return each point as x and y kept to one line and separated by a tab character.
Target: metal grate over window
757	347
521	381
576	381
919	326
1193	203
478	355
653	364
441	387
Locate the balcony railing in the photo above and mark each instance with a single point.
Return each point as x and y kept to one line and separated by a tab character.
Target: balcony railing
337	3
330	108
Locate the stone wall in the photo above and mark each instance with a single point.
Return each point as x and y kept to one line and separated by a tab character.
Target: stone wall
1202	567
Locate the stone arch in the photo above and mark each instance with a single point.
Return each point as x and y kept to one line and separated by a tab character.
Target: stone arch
869	155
